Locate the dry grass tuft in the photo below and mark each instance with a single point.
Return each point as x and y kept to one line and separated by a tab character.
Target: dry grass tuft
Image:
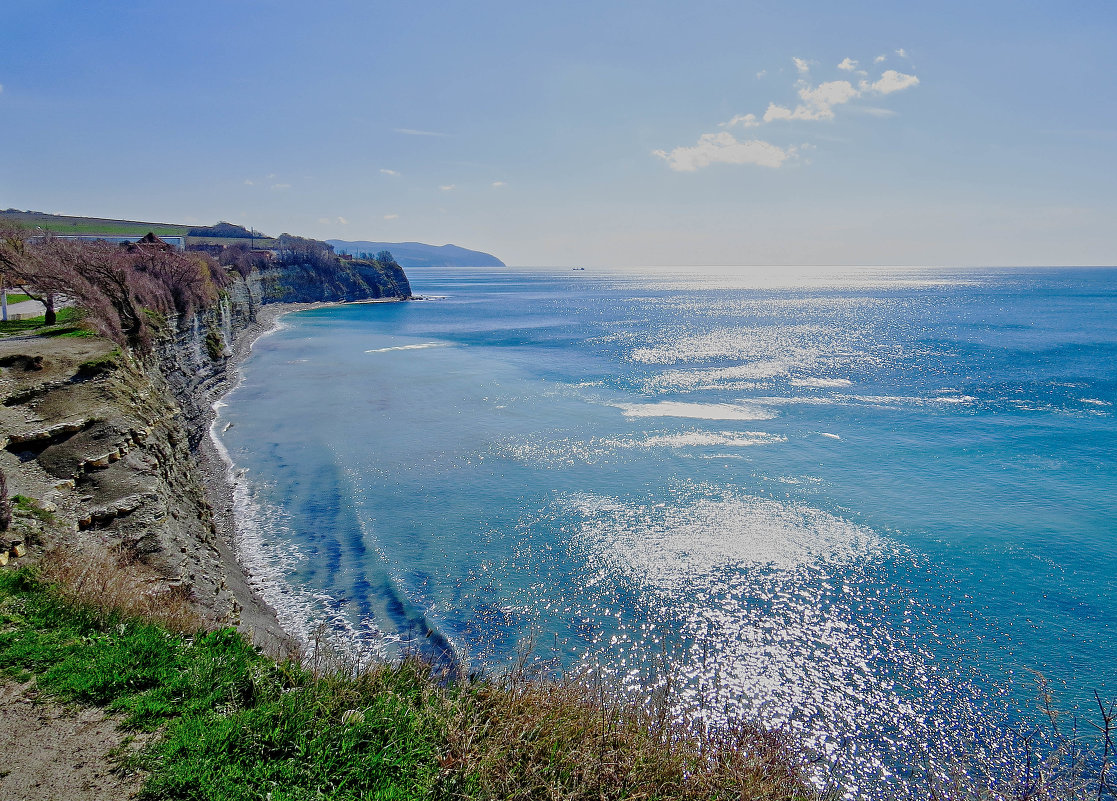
526	738
110	583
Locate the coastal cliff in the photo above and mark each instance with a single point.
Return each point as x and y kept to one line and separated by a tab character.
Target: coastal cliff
109	453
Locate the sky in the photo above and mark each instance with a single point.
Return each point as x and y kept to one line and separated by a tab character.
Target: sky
600	133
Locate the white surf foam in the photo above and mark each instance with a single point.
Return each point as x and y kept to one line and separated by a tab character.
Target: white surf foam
697	411
699	439
821	383
419	346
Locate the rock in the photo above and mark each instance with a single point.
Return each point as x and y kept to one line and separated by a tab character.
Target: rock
18	549
3	558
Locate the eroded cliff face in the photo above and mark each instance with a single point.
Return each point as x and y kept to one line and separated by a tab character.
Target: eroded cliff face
357	279
113	447
97	440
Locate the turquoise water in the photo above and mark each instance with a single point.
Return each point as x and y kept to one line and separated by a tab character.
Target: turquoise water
861	503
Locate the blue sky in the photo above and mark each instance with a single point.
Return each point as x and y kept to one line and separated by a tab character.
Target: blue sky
603	133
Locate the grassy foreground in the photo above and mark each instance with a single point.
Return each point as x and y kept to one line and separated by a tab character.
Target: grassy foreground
234	724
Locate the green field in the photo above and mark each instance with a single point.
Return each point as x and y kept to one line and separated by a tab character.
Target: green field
61	224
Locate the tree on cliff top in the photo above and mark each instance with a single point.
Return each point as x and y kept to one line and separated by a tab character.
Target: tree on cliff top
115	286
299	251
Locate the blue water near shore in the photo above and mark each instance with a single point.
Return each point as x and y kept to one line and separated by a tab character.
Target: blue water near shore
861	503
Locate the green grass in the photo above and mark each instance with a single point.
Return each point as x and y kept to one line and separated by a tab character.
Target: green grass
62	224
68	324
31	506
16	297
233	724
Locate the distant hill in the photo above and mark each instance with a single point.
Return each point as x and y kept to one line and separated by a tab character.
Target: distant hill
222	233
416	254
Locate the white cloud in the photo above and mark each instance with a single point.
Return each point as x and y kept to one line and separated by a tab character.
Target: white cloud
414	132
744	120
499	184
388	172
249	182
324	220
890	81
828	94
448	187
879	59
723	148
762	73
902	53
280	187
391	216
342	221
818	102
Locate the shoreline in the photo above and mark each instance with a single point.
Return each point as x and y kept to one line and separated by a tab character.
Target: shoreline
258	619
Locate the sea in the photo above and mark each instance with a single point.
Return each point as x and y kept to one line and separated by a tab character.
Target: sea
870	507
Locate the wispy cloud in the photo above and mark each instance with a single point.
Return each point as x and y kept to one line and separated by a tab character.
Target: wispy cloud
724	148
386	171
816	102
448	187
280	187
741	120
342	221
249	182
414	132
499	184
880	59
876	111
391	216
891	81
902	53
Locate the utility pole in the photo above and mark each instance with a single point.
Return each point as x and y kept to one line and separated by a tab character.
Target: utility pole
4	296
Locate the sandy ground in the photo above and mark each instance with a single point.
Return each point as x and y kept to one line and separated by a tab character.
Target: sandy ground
54	752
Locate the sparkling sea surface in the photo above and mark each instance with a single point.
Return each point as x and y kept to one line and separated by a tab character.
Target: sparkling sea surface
864	504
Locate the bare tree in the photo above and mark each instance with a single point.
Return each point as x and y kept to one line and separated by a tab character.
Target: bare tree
116	287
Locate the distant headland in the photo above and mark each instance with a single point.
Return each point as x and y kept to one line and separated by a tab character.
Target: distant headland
407	254
416	254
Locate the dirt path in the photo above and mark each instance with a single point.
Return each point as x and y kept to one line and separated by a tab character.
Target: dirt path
52	752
